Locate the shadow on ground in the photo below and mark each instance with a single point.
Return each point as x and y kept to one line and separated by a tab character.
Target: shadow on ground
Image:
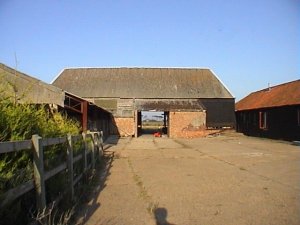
161	215
97	184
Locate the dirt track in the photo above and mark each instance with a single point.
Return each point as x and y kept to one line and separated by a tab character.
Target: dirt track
228	179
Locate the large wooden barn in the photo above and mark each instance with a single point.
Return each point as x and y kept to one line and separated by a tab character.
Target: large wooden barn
191	100
273	112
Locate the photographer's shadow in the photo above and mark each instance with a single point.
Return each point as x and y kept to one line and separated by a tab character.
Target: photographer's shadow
161	215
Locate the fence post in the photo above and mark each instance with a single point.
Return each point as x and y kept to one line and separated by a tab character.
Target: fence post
97	143
101	142
38	169
70	164
93	150
84	152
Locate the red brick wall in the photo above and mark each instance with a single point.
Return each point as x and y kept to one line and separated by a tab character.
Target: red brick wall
181	124
187	124
123	126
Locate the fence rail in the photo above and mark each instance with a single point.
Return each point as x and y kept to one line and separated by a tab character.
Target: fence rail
15	146
36	145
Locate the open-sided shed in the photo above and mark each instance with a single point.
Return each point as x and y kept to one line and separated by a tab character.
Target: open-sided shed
22	88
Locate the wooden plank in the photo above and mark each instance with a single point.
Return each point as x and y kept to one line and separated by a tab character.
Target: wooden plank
77	178
76	110
89	166
101	143
16	192
88	135
53	141
55	171
93	150
77	158
77	138
84	152
13	146
70	161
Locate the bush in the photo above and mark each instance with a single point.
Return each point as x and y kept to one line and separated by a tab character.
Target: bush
20	122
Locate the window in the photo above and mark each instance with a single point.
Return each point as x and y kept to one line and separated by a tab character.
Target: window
263	120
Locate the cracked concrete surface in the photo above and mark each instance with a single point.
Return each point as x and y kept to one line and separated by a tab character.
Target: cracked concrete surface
227	179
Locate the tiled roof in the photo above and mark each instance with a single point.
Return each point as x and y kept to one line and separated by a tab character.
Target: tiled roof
280	95
142	83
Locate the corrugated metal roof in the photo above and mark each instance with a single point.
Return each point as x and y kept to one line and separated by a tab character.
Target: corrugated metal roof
142	83
280	95
29	89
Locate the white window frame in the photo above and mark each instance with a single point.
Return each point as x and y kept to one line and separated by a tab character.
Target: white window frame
263	120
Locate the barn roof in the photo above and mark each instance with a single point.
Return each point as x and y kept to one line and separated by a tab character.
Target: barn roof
142	83
280	95
27	88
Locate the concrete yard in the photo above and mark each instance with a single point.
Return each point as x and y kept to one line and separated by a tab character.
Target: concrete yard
225	179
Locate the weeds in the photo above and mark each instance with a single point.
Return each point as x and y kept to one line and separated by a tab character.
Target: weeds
52	216
152	206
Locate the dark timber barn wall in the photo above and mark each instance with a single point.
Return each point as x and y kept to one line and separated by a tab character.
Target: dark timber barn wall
125	92
272	112
219	112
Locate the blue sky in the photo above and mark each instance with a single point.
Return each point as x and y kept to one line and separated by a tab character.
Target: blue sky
247	43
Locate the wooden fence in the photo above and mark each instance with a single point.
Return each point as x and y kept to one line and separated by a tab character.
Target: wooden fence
37	145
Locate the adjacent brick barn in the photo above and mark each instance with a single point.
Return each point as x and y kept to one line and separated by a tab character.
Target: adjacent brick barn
191	100
273	112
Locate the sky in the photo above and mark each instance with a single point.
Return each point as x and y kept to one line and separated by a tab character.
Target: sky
247	43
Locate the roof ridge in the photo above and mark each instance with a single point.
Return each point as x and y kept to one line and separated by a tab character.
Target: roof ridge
275	86
138	67
279	95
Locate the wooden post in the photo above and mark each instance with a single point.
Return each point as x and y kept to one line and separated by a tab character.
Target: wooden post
84	153
136	123
38	169
84	116
93	150
70	164
101	142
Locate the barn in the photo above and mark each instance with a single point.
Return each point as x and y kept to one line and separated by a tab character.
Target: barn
273	112
191	99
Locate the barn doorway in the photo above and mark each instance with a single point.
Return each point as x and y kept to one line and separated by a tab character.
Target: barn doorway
151	122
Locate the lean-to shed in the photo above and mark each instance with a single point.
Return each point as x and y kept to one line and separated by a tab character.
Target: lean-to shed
22	88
